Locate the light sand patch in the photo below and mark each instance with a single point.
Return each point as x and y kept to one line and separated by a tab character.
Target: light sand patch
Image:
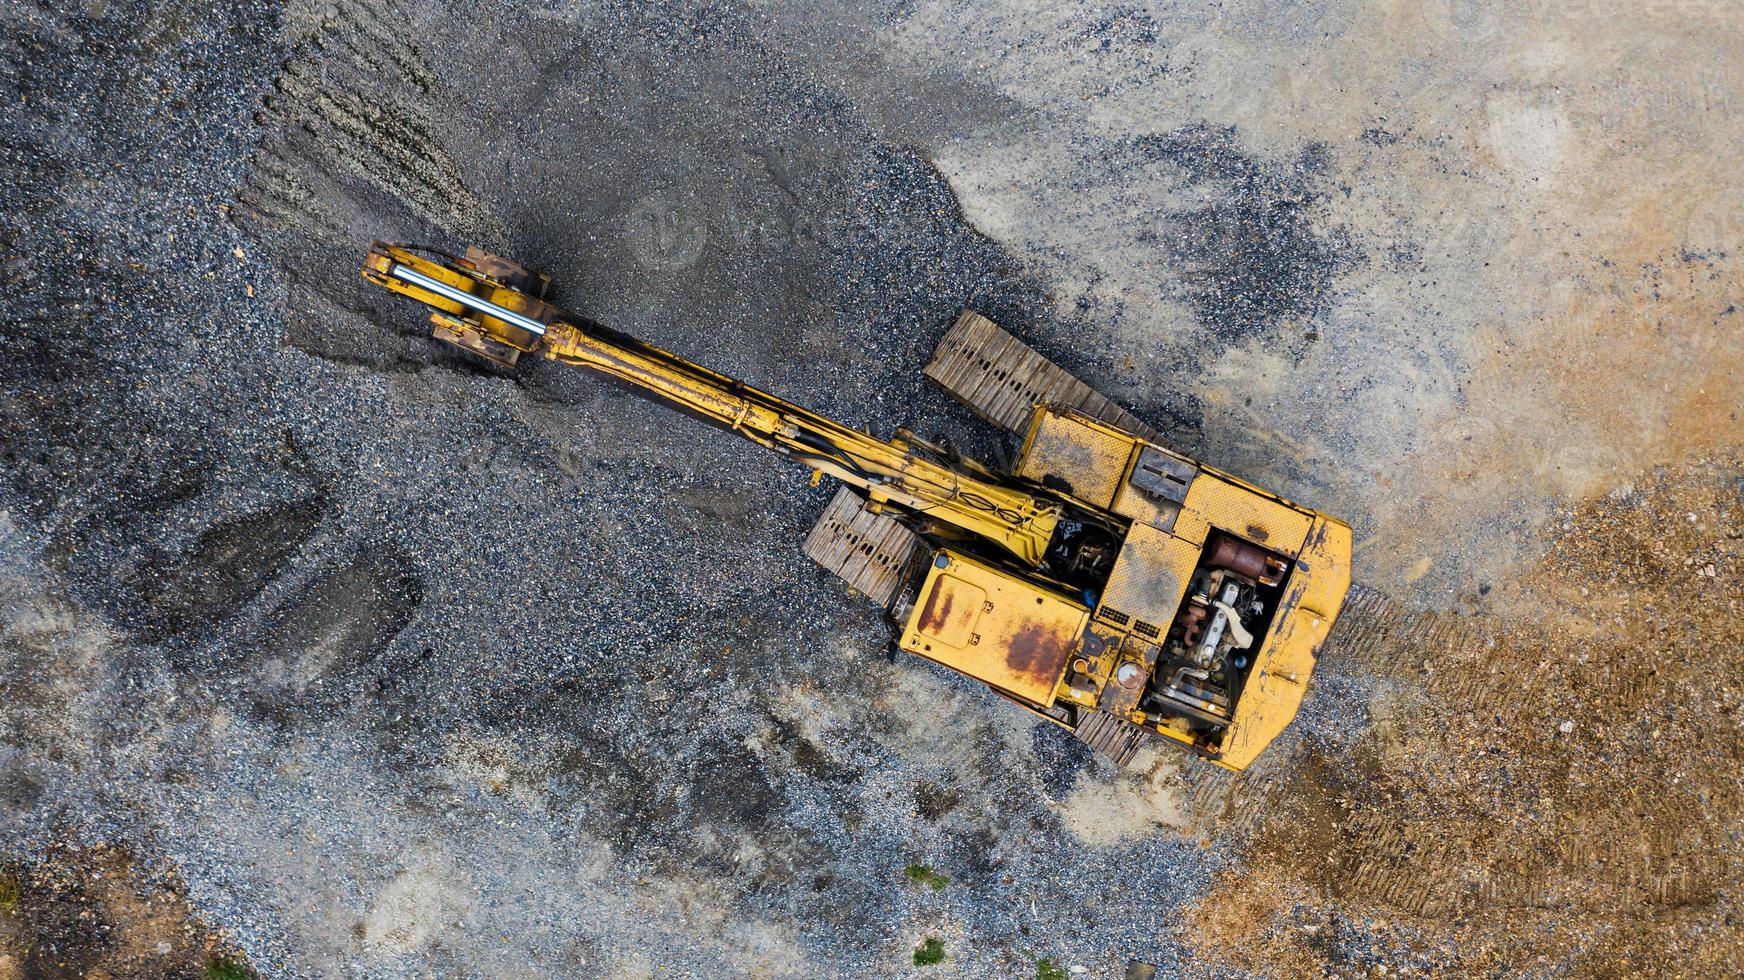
1102	812
498	767
1528	133
421	903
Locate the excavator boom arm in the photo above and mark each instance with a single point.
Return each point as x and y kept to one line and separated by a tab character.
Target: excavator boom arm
488	315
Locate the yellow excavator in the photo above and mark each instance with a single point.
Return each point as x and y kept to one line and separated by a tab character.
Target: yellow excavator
1106	584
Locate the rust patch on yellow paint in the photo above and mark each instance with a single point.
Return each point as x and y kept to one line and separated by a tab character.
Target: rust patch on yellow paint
937	611
1037	652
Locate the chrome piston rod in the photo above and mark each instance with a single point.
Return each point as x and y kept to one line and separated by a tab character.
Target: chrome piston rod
466	299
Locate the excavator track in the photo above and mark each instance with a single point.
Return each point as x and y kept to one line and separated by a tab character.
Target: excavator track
1111	737
1002	379
868	551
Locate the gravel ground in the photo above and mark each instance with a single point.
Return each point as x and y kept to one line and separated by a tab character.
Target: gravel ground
354	658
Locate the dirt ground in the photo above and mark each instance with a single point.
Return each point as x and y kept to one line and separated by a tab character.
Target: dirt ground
326	651
88	914
1539	792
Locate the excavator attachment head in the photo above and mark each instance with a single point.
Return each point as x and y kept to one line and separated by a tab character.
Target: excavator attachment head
480	303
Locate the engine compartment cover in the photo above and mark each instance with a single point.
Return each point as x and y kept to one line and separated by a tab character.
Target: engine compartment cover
994	627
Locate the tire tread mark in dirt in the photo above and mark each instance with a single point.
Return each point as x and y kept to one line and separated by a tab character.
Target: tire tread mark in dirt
343	122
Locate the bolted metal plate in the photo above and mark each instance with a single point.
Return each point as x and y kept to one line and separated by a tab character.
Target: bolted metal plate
1162	474
995	627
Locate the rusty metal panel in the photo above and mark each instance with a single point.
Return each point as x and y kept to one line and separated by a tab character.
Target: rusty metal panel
869	551
1248	514
950	609
1149	578
994	627
1090	458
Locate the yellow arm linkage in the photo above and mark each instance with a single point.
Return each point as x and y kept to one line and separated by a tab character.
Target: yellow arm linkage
498	321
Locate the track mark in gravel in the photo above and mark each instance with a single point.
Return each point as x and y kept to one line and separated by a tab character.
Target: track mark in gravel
225	567
350	149
341	124
337	624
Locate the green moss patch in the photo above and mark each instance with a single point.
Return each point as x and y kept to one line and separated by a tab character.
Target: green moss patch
225	968
924	875
929	952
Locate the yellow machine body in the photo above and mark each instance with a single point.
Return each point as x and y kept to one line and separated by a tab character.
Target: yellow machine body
1163	548
1107	584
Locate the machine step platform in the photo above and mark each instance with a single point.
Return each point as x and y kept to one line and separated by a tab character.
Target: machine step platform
1112	737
